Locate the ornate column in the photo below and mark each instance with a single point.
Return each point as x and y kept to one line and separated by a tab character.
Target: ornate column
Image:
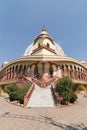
68	72
30	70
77	75
7	74
12	72
85	76
62	71
72	74
15	73
82	75
57	71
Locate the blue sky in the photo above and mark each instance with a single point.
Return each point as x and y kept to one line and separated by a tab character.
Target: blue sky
22	20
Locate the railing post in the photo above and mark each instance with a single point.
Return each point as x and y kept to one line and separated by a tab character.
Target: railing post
25	100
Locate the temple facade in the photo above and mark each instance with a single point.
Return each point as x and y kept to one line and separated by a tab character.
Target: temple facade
43	60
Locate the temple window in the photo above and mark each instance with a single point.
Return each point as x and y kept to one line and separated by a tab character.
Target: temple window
36	70
48	45
51	70
62	68
39	45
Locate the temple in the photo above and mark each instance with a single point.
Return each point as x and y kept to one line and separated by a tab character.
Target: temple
43	62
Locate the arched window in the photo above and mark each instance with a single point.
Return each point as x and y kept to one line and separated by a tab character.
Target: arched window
36	70
13	72
16	71
71	71
48	45
62	70
24	70
51	70
39	45
20	70
75	72
66	71
10	72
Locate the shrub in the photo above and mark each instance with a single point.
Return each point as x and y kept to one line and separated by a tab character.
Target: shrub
11	88
63	102
21	92
16	93
65	88
1	90
75	87
64	84
67	95
81	88
13	96
86	87
73	98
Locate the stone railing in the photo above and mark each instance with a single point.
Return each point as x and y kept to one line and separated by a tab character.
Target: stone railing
28	80
56	96
36	81
50	81
8	81
53	93
28	94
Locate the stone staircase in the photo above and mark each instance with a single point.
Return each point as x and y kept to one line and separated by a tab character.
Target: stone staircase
41	97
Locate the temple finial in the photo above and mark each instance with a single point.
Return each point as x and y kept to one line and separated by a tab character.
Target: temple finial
44	28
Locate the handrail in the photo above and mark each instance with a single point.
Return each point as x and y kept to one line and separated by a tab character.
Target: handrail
53	93
57	98
30	90
50	81
7	81
36	81
27	80
28	94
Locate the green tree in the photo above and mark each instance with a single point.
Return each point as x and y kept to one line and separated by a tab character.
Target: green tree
64	87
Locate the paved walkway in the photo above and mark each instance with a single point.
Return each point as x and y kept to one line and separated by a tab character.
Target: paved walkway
17	118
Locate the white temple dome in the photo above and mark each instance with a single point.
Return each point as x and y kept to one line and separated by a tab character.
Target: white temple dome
44	35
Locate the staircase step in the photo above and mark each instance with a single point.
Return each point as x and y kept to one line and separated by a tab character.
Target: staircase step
41	97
